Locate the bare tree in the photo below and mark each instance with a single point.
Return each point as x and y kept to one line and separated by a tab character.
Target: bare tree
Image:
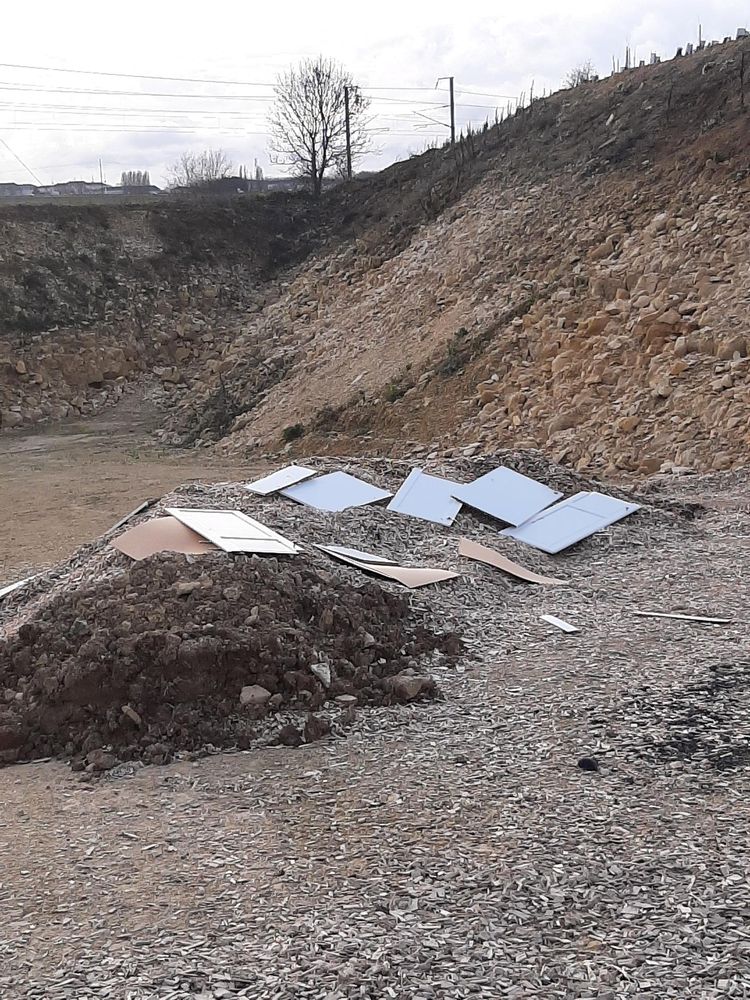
582	73
135	178
308	122
194	169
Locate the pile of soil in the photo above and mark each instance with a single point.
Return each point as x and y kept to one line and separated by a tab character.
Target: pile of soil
175	654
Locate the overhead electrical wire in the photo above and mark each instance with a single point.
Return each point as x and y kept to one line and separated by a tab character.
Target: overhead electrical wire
232	122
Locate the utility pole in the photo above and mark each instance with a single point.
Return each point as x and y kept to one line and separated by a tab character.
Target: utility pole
348	135
453	113
452	105
101	174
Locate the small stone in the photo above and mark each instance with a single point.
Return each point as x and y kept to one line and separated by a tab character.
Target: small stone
132	715
323	672
346	700
101	760
588	764
254	694
407	687
290	736
316	728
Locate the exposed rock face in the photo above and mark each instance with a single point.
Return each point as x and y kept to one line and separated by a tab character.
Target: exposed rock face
600	311
92	297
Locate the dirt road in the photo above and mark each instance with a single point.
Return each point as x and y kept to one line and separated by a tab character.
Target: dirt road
63	485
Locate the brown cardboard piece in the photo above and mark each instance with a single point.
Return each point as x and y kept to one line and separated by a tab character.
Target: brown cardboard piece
481	553
161	534
408	576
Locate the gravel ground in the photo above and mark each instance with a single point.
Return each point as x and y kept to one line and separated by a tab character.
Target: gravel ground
448	850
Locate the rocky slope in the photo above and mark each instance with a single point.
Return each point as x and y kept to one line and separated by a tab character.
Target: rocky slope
583	289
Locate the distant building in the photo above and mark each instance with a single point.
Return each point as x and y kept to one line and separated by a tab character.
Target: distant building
12	190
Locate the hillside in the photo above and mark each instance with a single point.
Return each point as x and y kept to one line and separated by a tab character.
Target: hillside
576	282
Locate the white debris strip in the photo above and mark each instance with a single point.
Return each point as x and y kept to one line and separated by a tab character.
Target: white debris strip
560	623
279	480
445	851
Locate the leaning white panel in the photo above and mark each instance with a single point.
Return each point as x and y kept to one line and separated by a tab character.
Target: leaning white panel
335	492
507	495
570	521
280	480
365	557
234	531
428	497
4	591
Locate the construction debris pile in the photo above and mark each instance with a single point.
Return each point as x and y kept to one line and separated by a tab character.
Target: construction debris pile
193	624
176	653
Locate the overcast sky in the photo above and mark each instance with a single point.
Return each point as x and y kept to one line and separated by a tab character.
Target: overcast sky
61	123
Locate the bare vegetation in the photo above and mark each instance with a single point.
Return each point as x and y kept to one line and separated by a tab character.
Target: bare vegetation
308	122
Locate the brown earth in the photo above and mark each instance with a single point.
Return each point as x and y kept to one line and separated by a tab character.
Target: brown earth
67	484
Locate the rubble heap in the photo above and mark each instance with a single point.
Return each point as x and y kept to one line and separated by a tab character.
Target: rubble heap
175	653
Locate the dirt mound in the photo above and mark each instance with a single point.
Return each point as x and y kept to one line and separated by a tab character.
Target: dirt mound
173	654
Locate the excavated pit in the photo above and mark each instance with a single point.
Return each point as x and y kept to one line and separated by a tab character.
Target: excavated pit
140	661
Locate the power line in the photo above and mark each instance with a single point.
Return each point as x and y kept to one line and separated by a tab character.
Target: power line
482	93
135	76
17	157
171	79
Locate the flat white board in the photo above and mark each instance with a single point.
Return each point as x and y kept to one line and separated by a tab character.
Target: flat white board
570	521
358	554
559	623
4	591
427	497
279	480
507	495
335	492
233	531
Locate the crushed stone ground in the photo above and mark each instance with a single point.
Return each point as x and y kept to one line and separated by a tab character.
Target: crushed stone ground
446	850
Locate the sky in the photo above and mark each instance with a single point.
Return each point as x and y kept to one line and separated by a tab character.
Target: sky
57	122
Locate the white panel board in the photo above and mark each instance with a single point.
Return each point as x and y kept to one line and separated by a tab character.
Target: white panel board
507	495
335	492
366	557
234	531
573	519
559	623
427	497
4	591
279	480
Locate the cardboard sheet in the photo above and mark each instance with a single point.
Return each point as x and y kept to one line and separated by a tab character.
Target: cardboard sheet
161	534
234	531
279	480
481	553
406	575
